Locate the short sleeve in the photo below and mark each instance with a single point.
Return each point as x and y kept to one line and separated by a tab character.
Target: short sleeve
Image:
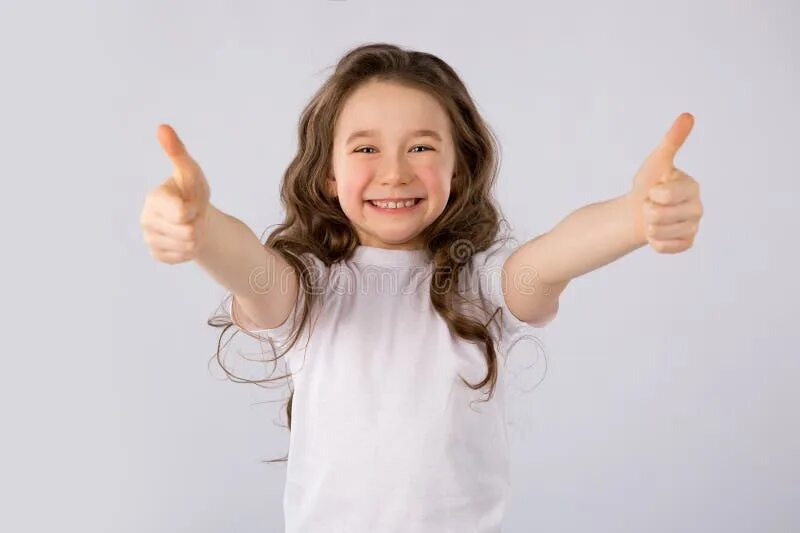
317	271
280	331
486	271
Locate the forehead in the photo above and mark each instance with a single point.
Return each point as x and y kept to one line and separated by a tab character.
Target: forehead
391	109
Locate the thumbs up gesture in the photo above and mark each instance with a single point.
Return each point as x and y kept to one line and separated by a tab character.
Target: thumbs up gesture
175	213
667	206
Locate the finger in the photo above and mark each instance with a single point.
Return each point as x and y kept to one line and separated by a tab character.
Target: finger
166	201
678	188
166	243
678	230
665	152
186	169
172	258
179	232
671	214
671	246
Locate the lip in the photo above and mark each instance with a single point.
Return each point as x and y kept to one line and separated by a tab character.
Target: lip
394	210
395	199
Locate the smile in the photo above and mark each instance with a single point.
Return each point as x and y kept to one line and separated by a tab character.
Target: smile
395	206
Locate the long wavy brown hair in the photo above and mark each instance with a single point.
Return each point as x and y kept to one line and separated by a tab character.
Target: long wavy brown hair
316	224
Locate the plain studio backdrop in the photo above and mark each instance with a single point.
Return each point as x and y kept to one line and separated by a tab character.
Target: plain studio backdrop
662	398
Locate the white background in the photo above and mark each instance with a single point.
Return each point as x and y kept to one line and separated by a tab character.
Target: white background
671	389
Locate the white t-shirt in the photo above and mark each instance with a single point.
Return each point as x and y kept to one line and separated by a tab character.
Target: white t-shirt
385	436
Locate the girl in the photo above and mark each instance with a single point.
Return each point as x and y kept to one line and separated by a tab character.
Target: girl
391	269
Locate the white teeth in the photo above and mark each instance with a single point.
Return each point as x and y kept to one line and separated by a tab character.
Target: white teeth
393	204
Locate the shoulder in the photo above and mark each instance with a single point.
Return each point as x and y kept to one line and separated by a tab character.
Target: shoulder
487	264
316	272
485	276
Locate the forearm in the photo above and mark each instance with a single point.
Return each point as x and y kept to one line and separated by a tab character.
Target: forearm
231	253
590	237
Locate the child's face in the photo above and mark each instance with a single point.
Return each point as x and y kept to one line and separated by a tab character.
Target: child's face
395	160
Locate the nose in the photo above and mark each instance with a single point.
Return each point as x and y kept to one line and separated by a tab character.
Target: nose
397	171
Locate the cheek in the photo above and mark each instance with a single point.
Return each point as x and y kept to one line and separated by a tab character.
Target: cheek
436	180
352	185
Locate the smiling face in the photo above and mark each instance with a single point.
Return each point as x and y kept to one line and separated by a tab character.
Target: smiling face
392	143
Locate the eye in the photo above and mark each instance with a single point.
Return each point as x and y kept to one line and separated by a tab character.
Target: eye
359	150
423	146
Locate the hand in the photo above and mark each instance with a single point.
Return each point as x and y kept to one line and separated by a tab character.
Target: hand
666	201
175	213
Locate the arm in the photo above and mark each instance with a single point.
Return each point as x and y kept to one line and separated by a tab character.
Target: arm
587	239
263	284
663	209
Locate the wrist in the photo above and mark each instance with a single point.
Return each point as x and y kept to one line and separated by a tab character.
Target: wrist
636	205
206	227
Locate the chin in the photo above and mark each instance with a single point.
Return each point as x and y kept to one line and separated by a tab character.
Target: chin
393	239
396	239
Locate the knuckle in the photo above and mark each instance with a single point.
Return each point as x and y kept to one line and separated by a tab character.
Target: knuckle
173	212
147	214
656	214
661	246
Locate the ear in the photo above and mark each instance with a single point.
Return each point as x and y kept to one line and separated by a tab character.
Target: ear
331	186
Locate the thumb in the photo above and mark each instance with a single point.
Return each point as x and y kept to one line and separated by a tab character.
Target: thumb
665	152
187	172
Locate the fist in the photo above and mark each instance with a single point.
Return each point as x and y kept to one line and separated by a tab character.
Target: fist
175	214
666	200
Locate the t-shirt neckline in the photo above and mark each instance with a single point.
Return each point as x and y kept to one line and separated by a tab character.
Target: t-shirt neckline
373	255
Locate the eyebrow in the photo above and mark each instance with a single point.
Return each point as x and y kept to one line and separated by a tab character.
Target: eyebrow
417	133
